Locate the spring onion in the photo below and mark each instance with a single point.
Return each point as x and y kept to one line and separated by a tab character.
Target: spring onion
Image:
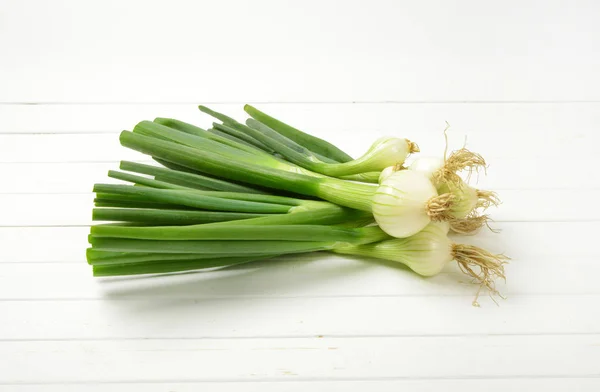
313	143
404	205
384	152
465	217
259	190
172	265
426	252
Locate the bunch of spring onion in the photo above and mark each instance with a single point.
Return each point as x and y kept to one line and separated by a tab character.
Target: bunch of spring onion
237	192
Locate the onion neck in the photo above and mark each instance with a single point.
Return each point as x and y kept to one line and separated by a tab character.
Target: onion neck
387	151
346	193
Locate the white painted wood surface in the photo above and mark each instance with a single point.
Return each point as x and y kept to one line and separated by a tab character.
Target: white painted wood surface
519	78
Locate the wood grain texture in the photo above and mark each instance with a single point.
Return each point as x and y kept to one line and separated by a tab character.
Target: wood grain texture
302	358
120	318
498	131
313	276
336	121
520	384
106	147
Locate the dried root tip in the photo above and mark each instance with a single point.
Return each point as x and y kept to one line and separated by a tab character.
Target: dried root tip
459	160
413	147
481	265
464	159
438	208
443	176
486	199
469	225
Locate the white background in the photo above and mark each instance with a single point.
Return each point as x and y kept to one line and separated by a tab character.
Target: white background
520	78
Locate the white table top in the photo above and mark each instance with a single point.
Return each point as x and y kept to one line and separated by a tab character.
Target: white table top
520	79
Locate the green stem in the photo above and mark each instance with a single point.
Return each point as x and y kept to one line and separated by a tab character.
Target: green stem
313	143
305	158
166	134
370	177
161	217
235	139
192	199
149	128
121	197
115	203
263	198
196	131
215	165
267	132
235	131
231	233
196	179
143	180
242	248
292	152
341	192
322	216
349	194
177	181
172	266
107	263
176	167
219	116
103	257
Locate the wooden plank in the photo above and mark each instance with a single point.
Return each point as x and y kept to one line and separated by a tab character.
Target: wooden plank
155	318
470	51
335	121
26	148
191	360
303	276
521	384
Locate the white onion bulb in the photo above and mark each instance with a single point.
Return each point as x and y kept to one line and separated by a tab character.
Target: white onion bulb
427	165
426	252
400	203
386	151
385	173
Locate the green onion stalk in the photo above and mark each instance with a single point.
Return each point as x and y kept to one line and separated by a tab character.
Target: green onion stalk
117	247
384	152
153	205
118	250
303	156
312	143
186	179
291	150
402	205
194	137
249	229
